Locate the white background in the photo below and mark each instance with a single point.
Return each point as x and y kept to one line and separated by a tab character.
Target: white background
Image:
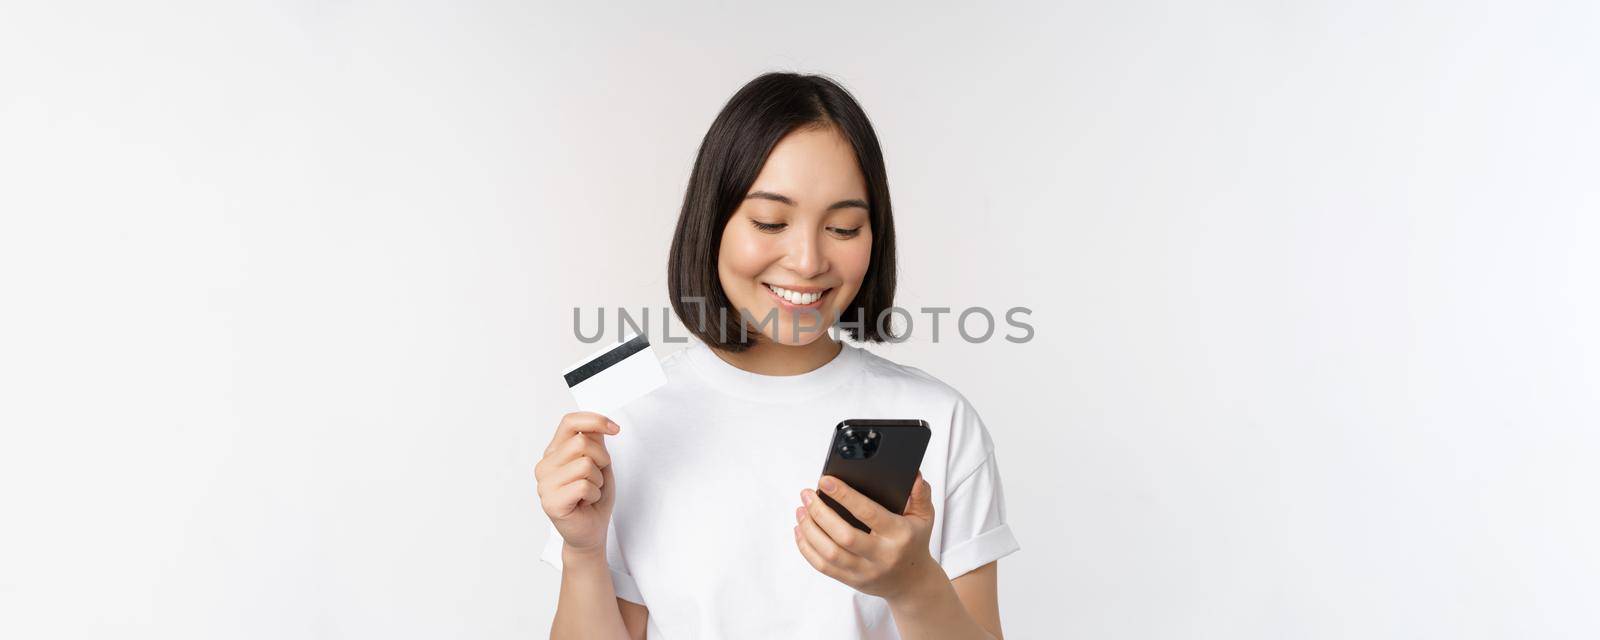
285	289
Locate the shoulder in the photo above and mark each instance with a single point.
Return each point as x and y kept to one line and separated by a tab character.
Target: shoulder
942	403
679	370
907	379
676	363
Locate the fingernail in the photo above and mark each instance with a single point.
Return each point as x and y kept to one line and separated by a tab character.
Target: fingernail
805	498
828	484
799	514
613	427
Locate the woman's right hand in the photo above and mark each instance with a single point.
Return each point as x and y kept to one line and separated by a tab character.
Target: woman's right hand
574	476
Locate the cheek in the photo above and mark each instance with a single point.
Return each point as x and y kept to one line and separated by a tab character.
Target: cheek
854	261
741	257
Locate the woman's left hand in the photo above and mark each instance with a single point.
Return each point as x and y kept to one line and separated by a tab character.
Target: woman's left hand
886	562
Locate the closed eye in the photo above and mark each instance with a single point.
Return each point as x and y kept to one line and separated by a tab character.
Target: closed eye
770	228
846	233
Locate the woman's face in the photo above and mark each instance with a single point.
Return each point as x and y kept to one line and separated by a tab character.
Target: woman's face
799	244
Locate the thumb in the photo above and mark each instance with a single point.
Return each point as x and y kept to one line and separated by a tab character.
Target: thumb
920	504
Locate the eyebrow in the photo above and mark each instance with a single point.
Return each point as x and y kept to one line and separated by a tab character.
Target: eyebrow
778	197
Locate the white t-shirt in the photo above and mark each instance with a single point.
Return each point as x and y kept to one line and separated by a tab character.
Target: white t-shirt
708	471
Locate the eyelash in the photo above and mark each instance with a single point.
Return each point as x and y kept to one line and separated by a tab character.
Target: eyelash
772	228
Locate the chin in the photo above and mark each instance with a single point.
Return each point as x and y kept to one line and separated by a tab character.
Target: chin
790	340
787	336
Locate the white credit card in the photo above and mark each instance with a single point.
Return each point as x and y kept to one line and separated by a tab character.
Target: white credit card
615	375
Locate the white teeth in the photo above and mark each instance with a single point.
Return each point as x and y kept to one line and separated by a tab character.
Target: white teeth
796	297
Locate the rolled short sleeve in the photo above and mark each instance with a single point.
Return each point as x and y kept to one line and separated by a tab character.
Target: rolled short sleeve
621	582
975	531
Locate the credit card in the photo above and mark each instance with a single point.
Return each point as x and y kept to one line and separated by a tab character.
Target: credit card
615	375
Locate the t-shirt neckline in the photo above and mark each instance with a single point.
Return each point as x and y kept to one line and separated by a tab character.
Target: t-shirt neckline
764	388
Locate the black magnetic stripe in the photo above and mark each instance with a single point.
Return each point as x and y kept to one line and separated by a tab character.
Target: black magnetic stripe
605	360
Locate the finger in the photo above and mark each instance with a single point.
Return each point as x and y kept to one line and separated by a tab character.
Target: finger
863	508
561	501
582	422
596	450
606	480
591	493
920	504
581	492
579	445
814	558
830	551
581	469
842	533
561	453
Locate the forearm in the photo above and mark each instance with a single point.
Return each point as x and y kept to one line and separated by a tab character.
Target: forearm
588	604
931	609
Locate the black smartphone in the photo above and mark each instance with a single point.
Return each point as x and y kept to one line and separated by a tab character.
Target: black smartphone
878	458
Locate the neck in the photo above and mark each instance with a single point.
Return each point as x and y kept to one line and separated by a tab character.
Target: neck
773	359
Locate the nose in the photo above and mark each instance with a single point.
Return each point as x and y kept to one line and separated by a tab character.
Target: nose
804	255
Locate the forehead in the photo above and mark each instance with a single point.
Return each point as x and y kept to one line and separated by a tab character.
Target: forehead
812	165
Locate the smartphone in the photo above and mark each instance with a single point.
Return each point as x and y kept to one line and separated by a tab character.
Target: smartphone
878	458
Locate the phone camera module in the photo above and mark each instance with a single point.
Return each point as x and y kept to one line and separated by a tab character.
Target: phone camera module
859	444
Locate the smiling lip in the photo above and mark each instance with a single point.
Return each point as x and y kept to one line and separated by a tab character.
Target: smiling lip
785	304
800	289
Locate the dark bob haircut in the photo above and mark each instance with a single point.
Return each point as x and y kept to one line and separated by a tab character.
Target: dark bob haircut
731	155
